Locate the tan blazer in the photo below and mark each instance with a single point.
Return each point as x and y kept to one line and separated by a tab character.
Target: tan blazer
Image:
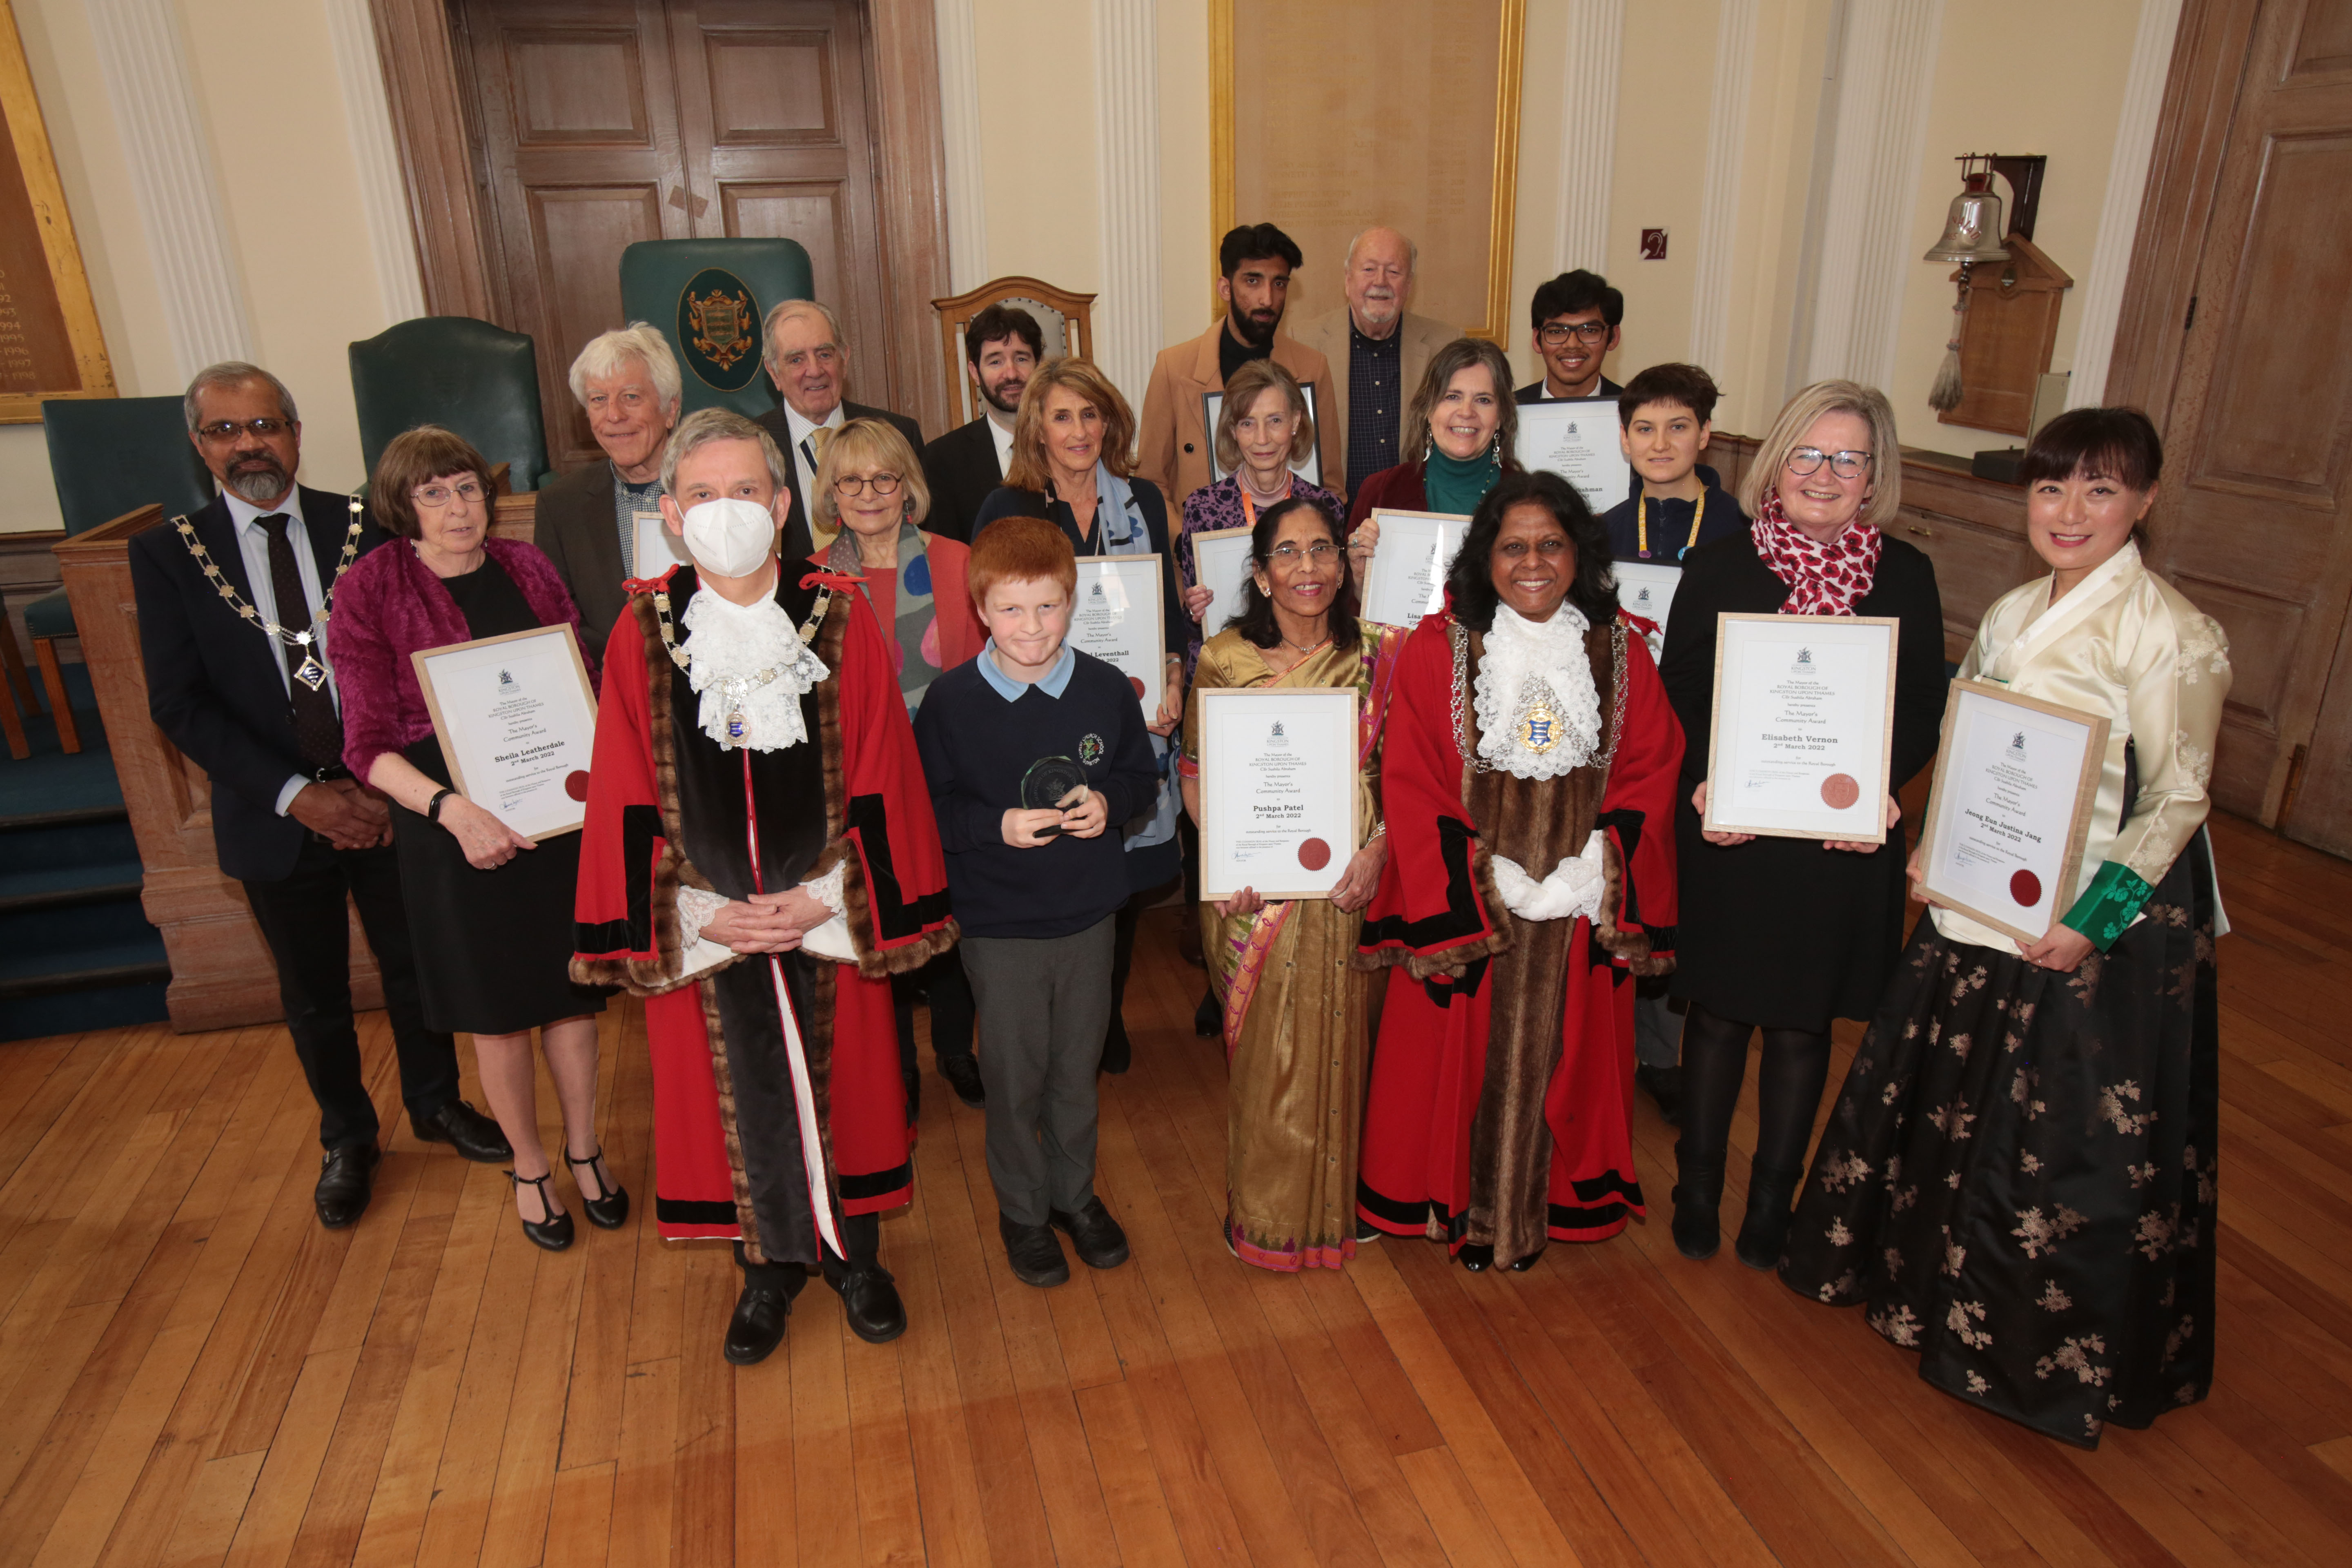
1172	446
1327	335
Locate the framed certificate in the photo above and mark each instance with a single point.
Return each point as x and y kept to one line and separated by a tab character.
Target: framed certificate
1220	563
1646	589
1406	579
517	723
1576	439
1116	618
655	548
1278	791
2015	780
1308	468
1803	725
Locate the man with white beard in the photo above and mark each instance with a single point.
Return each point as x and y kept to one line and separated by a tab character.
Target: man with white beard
1378	350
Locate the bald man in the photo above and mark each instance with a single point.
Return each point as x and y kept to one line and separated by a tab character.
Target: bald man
1378	351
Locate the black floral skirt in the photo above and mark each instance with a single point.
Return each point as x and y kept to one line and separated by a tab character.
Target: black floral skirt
2018	1181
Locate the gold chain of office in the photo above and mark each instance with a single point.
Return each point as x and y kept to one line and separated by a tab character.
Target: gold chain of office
310	672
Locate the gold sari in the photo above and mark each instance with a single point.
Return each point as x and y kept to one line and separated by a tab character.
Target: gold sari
1296	1021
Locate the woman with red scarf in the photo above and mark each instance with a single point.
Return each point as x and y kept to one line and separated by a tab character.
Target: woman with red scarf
1785	935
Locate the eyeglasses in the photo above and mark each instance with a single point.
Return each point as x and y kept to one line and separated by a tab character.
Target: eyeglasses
857	484
1291	555
1558	334
439	495
221	430
1844	465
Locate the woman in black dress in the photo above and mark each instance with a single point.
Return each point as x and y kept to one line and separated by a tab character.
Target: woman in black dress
490	912
1785	935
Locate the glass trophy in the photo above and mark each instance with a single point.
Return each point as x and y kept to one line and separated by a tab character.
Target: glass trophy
1053	784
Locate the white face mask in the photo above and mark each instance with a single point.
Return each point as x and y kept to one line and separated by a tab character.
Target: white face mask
729	536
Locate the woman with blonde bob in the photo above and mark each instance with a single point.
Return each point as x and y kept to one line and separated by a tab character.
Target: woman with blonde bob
1785	935
871	497
1262	428
1074	465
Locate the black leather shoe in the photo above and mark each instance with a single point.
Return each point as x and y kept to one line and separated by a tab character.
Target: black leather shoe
963	1074
1664	1085
870	1300
346	1182
1035	1253
467	1130
1475	1257
552	1230
1521	1264
1094	1235
758	1326
1119	1052
610	1209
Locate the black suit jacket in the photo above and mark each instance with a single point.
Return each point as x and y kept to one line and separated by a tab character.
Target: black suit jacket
574	526
961	468
799	543
214	685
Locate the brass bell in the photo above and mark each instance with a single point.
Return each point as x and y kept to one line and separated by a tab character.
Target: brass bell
1973	228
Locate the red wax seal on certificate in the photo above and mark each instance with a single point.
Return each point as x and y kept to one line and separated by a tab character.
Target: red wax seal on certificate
575	784
1136	682
2026	888
1315	853
1839	791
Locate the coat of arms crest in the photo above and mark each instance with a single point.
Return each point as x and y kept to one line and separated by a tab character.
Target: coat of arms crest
722	326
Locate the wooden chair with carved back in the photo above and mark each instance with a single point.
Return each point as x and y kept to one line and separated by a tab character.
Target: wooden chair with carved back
1065	318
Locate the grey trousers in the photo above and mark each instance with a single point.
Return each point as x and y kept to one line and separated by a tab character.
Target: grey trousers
1044	1002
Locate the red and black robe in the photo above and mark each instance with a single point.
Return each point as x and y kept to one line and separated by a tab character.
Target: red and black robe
1503	1080
763	1133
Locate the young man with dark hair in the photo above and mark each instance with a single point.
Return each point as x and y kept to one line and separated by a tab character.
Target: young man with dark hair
1034	752
1574	320
1172	444
1664	420
1003	345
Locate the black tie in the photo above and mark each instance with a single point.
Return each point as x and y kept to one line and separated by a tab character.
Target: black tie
318	730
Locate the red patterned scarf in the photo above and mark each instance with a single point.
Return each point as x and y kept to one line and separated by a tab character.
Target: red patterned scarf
1824	579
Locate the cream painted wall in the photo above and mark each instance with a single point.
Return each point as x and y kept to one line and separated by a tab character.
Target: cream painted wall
1184	212
295	227
1036	61
1984	103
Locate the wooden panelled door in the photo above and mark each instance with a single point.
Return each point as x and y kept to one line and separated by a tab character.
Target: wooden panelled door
601	122
2237	340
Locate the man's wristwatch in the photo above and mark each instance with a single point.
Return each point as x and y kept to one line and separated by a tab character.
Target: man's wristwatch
433	806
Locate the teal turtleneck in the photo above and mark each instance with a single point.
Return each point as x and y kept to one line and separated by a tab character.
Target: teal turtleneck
1457	485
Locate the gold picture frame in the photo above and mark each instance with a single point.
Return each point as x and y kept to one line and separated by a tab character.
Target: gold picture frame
1495	324
50	344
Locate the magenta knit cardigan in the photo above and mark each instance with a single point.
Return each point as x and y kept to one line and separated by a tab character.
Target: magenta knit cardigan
389	605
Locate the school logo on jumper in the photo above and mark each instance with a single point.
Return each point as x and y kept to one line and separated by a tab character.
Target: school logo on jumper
1090	749
508	685
718	327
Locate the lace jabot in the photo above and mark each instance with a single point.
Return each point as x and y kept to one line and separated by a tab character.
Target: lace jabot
1538	711
751	668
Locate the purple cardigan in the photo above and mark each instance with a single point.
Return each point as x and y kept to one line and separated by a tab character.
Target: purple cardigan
389	605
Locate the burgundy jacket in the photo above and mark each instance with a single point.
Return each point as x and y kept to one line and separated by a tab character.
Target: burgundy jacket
389	605
1398	489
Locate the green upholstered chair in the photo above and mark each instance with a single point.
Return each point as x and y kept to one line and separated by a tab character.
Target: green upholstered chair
108	456
466	375
709	298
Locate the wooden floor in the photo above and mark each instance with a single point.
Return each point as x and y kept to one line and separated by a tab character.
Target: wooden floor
192	1372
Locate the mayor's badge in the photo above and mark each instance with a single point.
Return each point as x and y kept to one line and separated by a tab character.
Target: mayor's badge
1538	729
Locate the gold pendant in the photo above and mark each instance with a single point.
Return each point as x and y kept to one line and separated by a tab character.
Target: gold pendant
1538	729
311	673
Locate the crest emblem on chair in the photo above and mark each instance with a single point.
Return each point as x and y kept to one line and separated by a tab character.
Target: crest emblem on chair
719	329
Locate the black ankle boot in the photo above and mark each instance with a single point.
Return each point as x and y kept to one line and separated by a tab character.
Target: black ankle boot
1765	1232
1698	1195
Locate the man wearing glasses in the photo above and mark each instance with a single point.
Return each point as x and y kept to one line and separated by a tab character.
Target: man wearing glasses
232	605
1575	319
809	363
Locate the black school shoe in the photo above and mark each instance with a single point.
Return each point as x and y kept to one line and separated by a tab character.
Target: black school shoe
1094	1235
346	1182
475	1136
1035	1254
963	1074
869	1301
758	1326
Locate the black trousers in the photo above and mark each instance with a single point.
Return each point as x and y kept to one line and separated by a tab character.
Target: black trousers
301	919
861	1233
942	986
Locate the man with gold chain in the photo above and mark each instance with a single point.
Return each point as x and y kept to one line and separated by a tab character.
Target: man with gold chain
233	608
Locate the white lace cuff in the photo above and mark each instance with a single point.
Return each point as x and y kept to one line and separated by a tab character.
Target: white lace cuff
696	908
1573	889
832	939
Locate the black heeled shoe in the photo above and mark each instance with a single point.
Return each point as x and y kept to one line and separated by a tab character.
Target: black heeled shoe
554	1234
1475	1257
611	1209
1521	1264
